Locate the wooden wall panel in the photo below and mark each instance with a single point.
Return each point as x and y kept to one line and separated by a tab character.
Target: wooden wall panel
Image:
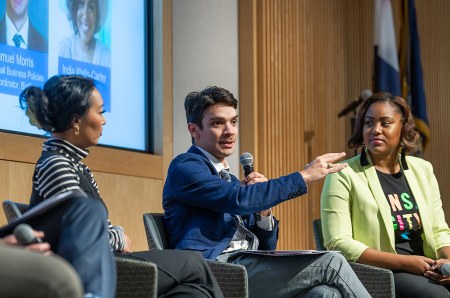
304	61
15	183
300	52
434	28
127	197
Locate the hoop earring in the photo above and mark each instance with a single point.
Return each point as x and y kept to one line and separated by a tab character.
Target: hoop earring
77	131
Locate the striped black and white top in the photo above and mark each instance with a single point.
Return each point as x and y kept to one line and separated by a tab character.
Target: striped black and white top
59	169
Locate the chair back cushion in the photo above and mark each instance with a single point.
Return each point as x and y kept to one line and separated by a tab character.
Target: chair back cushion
155	230
13	209
318	236
136	278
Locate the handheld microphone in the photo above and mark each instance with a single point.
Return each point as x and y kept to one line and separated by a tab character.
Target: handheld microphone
246	160
443	269
365	94
25	236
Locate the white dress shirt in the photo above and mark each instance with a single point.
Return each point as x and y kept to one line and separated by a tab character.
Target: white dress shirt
11	31
265	223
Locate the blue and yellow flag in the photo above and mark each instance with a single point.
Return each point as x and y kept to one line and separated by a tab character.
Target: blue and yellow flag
411	70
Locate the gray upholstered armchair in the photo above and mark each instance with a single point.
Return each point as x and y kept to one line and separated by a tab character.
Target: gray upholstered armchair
379	282
135	279
232	278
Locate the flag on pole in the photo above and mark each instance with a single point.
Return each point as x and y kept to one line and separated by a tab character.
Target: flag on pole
411	70
386	68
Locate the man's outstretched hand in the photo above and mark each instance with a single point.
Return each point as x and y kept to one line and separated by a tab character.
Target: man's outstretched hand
322	166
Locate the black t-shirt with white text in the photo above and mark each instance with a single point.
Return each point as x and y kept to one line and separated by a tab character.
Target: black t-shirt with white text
404	213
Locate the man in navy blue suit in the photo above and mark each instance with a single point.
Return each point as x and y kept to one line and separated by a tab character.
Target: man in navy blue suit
211	211
17	30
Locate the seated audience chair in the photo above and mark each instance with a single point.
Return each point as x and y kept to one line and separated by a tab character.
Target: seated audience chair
379	282
232	278
135	279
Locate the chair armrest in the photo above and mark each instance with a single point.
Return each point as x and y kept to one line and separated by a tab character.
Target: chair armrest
136	279
13	209
232	278
379	282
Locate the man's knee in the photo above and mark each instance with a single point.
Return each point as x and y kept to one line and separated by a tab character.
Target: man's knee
322	291
335	257
188	291
191	259
334	261
191	256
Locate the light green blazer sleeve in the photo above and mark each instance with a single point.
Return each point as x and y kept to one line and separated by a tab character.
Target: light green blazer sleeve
425	188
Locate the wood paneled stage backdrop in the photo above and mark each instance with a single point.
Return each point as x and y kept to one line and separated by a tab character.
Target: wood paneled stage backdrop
301	62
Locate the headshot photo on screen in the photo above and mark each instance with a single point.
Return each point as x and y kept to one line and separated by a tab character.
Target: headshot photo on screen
87	19
23	45
18	28
101	39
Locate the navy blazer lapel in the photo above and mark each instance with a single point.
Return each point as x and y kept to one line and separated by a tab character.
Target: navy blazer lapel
195	150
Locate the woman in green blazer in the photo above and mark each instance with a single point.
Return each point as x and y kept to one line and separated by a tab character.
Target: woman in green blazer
385	208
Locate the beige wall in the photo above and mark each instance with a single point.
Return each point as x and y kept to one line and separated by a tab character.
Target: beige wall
300	63
205	53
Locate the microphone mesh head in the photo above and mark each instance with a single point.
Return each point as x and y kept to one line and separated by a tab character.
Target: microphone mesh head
246	159
24	234
366	93
445	269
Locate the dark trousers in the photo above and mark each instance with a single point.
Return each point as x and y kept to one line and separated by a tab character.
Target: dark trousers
76	230
180	273
412	285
